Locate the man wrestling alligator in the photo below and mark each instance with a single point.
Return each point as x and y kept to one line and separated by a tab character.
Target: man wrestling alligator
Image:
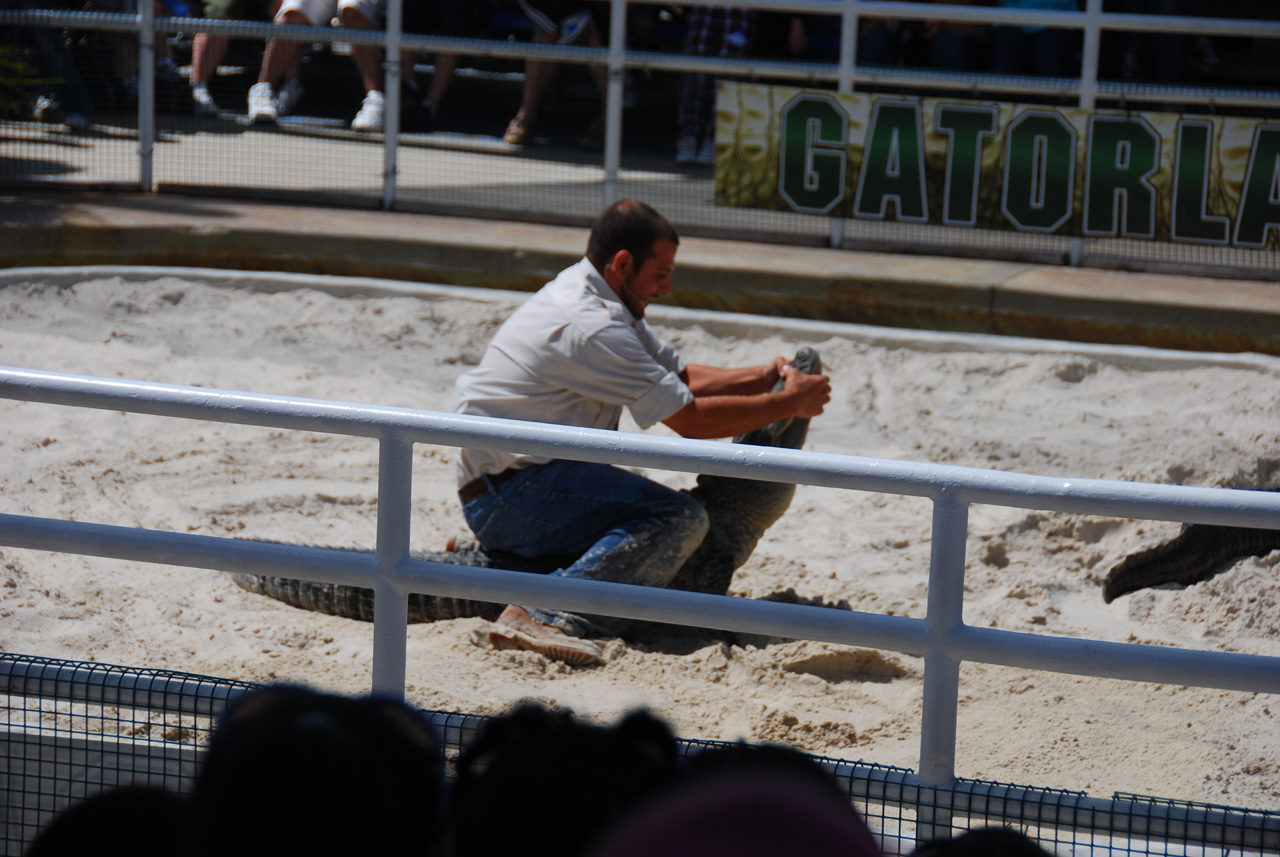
577	353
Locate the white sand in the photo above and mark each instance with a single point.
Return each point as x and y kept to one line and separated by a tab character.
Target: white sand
1053	413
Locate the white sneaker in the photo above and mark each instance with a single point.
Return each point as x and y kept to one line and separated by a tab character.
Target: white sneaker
707	154
370	116
202	102
686	150
262	104
288	97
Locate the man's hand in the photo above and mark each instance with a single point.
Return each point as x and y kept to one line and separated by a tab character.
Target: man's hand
809	393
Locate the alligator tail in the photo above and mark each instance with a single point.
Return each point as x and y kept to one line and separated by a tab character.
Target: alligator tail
1200	552
356	602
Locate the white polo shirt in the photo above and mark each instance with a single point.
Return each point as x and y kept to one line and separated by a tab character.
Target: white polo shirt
573	354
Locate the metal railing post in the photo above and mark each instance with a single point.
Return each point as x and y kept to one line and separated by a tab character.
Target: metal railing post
146	94
614	97
941	669
390	601
1089	57
391	93
844	83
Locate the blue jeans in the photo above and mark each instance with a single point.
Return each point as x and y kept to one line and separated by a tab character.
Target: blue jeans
622	527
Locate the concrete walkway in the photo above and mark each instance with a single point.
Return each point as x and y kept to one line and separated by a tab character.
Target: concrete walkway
922	292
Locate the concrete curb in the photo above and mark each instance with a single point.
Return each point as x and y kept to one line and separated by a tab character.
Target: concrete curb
918	292
737	324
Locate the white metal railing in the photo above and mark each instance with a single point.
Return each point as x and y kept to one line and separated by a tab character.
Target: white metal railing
845	73
941	638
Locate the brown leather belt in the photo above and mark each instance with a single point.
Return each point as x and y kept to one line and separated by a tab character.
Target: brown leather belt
477	487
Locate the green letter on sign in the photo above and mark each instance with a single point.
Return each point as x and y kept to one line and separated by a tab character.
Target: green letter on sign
1260	197
811	172
967	128
1123	156
893	164
1191	219
1039	172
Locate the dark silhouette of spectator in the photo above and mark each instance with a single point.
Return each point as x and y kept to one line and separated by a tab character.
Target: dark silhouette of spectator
293	771
59	95
138	821
539	781
1159	57
1041	51
944	45
563	22
745	801
726	32
453	18
983	842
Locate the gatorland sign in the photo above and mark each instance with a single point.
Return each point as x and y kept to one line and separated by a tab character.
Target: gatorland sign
1028	168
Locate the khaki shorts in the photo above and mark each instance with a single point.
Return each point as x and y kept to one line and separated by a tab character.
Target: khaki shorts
320	12
233	9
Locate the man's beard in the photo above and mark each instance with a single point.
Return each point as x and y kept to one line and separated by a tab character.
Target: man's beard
629	300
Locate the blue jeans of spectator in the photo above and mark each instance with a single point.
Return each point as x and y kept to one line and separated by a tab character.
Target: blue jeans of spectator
1042	52
947	50
622	527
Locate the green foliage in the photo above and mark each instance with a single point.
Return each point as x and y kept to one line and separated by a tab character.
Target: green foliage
16	79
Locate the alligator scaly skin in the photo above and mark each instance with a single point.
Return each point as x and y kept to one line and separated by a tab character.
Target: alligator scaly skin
740	511
1200	552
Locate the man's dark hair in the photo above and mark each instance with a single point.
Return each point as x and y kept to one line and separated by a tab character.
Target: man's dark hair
628	225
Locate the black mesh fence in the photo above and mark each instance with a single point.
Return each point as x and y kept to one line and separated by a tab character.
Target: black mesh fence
69	730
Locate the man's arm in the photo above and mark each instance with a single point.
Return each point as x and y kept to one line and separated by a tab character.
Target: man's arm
714	381
732	402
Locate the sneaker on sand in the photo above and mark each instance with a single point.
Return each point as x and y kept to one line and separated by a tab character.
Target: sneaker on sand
707	154
262	104
47	109
686	150
288	97
516	629
202	102
371	113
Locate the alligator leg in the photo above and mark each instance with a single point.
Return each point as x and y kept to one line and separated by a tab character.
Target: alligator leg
742	509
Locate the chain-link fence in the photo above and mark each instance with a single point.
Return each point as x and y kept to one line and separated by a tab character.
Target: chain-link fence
549	127
69	730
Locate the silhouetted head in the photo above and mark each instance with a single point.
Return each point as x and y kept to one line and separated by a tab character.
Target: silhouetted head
746	801
290	770
983	842
545	777
137	821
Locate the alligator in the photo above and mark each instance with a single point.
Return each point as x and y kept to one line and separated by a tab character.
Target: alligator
740	511
1198	553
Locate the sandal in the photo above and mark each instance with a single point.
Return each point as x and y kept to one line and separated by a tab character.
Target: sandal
519	133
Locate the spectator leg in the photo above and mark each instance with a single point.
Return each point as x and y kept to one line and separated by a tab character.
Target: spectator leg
1049	53
1008	49
367	58
951	51
206	52
446	65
